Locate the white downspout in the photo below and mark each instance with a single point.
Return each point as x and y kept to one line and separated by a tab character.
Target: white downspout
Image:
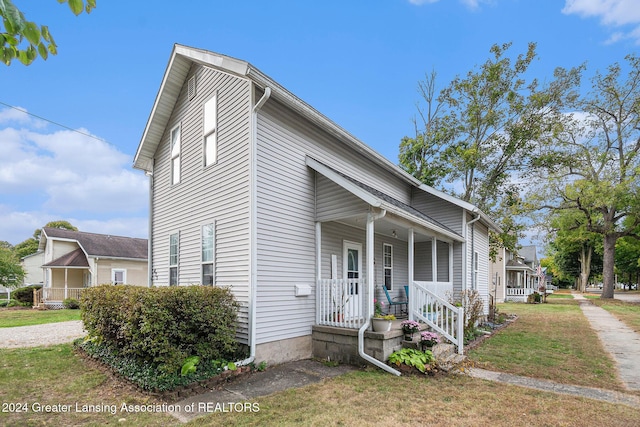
150	237
253	249
371	218
472	246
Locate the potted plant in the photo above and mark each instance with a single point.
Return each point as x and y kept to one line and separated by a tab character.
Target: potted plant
381	322
428	339
409	327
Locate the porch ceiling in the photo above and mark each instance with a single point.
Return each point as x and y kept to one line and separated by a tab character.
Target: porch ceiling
388	227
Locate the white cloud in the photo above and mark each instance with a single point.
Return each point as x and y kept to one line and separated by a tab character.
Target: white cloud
19	115
46	176
612	13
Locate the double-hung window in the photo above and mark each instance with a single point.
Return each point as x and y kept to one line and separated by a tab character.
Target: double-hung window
208	253
118	276
211	131
174	247
387	265
175	155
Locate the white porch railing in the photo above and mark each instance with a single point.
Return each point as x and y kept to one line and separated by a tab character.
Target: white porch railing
520	291
438	313
61	294
443	290
341	303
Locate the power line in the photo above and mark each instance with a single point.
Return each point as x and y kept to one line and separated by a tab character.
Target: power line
52	122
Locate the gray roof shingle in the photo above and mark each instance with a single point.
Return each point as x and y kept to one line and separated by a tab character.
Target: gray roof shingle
103	244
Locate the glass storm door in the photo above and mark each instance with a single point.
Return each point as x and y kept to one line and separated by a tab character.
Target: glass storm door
353	274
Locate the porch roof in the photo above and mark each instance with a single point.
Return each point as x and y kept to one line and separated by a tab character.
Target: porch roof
75	259
513	265
381	200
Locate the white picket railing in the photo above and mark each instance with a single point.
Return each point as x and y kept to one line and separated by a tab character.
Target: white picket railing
341	303
520	291
438	313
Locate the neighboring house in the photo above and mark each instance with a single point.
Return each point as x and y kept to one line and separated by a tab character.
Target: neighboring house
523	276
498	274
32	265
74	260
254	189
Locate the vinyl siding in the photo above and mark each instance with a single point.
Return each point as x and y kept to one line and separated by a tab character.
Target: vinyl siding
136	271
334	234
286	215
216	194
480	245
333	201
444	212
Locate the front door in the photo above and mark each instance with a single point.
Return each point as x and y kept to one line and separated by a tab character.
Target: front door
352	265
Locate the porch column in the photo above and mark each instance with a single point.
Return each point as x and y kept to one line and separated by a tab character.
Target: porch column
65	282
370	261
318	269
410	271
434	260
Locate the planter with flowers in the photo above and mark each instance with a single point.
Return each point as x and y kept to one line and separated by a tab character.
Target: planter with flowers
428	339
409	327
381	322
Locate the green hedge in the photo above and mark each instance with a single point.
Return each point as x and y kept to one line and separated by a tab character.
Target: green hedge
162	326
25	295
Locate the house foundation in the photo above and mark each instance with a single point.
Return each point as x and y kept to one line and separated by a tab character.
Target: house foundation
282	351
341	344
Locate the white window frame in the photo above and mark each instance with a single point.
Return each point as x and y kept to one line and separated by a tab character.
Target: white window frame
113	275
175	148
174	261
210	131
386	267
204	260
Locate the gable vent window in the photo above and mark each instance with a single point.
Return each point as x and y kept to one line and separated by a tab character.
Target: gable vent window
210	131
191	87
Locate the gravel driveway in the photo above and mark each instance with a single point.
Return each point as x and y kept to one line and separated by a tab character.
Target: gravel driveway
41	335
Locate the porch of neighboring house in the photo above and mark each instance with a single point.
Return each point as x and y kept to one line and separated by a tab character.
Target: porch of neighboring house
521	282
65	277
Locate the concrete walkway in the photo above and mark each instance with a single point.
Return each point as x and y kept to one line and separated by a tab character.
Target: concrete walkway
602	395
618	339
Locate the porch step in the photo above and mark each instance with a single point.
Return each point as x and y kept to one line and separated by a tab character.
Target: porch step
446	357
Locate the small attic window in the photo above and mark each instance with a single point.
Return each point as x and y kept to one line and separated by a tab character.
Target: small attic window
191	87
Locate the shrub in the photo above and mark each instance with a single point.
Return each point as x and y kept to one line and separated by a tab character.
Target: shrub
71	303
24	295
412	357
162	326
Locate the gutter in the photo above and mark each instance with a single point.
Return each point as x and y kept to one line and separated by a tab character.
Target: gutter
370	288
253	251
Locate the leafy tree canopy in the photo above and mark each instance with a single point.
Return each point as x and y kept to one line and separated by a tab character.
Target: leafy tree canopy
25	40
11	272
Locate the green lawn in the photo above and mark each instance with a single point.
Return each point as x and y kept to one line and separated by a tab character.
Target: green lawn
551	341
10	318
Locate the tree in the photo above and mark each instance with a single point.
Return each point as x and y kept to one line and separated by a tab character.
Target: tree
575	246
592	163
11	272
26	40
628	260
479	133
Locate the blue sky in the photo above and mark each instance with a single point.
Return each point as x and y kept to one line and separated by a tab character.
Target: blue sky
358	62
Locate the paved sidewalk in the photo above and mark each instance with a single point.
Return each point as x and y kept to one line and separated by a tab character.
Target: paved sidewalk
546	385
618	339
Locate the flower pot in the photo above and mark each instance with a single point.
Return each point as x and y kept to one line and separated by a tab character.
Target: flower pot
380	325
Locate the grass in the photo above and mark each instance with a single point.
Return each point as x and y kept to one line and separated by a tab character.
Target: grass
10	318
366	398
551	341
626	312
56	376
374	398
